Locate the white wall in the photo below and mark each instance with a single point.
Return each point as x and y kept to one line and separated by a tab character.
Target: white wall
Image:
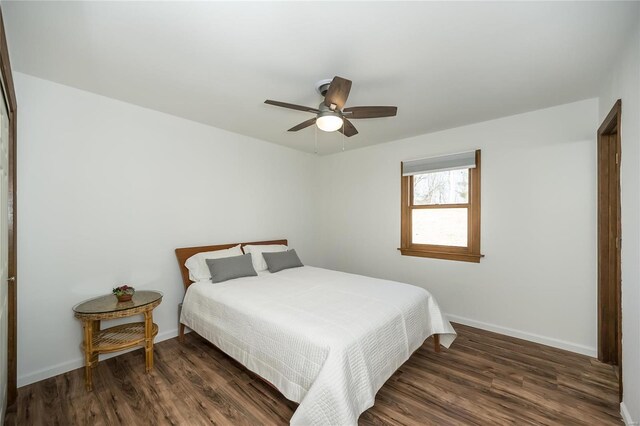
538	279
623	83
108	190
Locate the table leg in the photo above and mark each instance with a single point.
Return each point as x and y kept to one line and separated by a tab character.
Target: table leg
148	339
95	328
88	352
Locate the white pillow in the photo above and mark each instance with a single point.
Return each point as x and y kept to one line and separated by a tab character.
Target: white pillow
197	264
256	254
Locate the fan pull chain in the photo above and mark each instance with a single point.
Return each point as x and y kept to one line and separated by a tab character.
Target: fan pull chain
343	136
316	138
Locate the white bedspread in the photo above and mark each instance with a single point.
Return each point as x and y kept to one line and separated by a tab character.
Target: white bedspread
327	340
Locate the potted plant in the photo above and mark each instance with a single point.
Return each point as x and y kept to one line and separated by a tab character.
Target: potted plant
124	293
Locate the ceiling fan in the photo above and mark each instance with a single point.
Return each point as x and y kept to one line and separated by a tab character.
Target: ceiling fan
330	115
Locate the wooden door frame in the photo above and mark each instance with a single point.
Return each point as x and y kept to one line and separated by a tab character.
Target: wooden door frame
7	83
610	241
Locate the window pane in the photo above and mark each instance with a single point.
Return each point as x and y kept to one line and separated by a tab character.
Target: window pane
444	227
449	187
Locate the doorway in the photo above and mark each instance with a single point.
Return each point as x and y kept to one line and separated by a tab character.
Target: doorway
8	265
610	242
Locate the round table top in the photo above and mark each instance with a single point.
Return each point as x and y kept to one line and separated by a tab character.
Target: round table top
109	302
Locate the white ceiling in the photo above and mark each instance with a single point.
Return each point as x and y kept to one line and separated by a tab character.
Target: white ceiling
443	64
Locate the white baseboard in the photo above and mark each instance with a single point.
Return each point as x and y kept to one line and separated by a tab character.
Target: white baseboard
549	341
63	367
626	417
54	370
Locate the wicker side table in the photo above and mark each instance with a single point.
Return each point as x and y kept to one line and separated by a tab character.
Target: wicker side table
119	337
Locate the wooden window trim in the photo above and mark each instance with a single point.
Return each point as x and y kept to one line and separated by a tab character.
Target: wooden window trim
471	253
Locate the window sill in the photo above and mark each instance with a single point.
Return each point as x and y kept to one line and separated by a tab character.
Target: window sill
463	257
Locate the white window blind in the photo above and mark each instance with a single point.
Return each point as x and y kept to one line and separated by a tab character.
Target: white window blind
463	160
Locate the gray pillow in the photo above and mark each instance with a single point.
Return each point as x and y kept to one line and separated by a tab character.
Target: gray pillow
228	268
277	261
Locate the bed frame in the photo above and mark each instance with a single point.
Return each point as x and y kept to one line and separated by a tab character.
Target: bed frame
184	253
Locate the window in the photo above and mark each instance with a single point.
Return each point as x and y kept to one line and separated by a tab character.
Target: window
441	207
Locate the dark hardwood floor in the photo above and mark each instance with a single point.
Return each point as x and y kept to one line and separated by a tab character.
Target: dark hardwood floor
484	378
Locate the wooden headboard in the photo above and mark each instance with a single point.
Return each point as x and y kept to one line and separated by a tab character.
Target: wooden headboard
184	253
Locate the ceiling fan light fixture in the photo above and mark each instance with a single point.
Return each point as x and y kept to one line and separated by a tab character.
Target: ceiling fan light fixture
329	121
330	114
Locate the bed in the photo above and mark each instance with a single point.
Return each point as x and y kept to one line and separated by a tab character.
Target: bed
325	339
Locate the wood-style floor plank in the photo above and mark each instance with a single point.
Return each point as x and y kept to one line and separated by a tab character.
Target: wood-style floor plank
483	379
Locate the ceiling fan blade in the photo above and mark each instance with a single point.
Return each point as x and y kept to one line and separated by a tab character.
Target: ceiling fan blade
370	111
348	128
303	125
338	92
292	106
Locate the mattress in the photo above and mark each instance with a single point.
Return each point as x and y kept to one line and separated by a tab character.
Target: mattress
327	340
